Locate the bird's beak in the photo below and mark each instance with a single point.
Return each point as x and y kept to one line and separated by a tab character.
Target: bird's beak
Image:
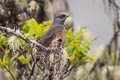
67	15
68	19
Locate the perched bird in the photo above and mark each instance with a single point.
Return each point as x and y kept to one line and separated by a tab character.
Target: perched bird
55	33
54	37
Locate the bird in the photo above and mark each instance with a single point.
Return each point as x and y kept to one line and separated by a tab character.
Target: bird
55	33
54	36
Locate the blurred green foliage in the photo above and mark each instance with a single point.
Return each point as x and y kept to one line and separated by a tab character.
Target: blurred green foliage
5	61
33	30
3	40
24	60
76	45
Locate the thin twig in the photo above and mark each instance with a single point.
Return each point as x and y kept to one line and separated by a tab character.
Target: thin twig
68	72
31	72
41	68
115	4
66	67
10	73
33	67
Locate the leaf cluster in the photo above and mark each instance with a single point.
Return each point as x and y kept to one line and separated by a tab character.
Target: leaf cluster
77	46
13	50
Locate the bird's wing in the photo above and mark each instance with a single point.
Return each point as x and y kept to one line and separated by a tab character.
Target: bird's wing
51	37
48	37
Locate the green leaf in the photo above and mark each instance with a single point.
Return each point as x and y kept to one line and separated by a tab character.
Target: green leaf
33	30
3	40
24	60
77	47
14	57
5	61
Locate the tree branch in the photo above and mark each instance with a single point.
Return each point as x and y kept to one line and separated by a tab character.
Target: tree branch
68	71
10	73
65	69
115	4
20	35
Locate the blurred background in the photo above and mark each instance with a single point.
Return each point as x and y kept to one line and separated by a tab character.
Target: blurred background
92	14
100	17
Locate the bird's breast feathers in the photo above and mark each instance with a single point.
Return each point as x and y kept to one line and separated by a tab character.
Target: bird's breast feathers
59	38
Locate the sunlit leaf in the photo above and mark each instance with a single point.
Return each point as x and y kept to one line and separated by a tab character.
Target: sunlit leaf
24	60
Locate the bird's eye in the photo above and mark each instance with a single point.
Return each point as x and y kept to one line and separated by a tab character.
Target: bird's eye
62	16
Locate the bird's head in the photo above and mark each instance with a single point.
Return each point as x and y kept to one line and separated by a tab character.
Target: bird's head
60	18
